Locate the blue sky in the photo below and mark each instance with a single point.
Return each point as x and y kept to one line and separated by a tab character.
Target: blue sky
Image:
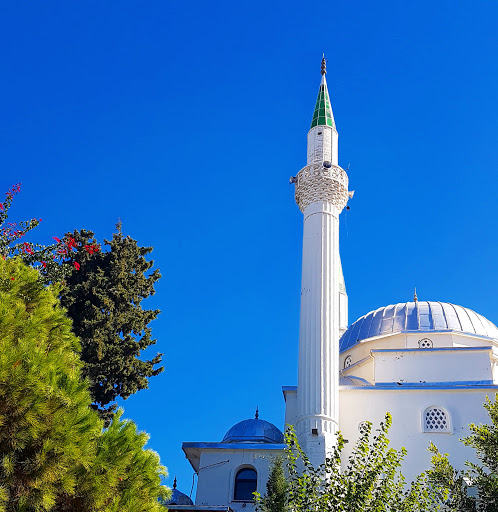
186	120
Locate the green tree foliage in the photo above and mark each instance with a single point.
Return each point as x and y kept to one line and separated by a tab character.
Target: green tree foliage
275	499
482	476
123	475
103	297
46	425
370	482
102	292
54	455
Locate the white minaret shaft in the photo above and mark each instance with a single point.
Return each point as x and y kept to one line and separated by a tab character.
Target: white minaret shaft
321	194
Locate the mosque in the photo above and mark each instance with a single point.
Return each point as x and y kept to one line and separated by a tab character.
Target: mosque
430	364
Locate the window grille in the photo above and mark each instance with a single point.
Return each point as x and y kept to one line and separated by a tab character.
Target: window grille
425	343
436	420
348	362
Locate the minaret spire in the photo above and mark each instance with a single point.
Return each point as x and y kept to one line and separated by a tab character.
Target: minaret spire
322	115
321	191
324	65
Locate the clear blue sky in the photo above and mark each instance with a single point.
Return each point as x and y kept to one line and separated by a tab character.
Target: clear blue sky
186	120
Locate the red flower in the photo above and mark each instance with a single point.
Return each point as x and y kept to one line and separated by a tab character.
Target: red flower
91	248
27	248
13	278
1	206
44	264
76	265
58	240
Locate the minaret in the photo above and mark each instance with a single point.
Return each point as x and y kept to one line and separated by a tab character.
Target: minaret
321	193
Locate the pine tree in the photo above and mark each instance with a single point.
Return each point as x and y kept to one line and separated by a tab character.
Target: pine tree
275	499
54	455
122	477
47	428
103	297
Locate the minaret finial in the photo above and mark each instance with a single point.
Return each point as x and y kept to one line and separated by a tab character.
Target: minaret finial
174	483
415	298
324	65
256	416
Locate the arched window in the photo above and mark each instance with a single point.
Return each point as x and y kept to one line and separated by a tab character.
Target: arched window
425	343
246	482
436	419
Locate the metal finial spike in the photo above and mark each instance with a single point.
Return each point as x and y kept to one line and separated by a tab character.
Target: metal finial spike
324	65
256	416
174	483
415	298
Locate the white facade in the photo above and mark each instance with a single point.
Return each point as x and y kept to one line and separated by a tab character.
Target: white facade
430	364
218	467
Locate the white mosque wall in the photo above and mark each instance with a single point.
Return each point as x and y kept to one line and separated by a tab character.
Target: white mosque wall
343	312
363	369
217	471
408	407
495	369
290	395
448	364
449	361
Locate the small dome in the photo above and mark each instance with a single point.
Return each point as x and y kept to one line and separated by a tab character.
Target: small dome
417	316
254	431
178	498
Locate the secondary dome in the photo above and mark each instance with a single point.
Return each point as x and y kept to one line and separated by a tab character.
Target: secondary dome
417	316
254	431
178	498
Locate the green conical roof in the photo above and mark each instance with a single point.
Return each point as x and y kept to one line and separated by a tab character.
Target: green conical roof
322	116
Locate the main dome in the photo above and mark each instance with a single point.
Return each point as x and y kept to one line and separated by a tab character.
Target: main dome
254	431
417	316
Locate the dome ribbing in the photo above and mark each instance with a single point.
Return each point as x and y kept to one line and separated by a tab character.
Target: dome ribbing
417	316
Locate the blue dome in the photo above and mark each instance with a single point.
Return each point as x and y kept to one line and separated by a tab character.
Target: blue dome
254	431
178	498
417	316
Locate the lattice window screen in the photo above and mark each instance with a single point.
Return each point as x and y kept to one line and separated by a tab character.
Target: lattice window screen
436	420
425	343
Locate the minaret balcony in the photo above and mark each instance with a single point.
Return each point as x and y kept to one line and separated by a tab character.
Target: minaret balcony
319	182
